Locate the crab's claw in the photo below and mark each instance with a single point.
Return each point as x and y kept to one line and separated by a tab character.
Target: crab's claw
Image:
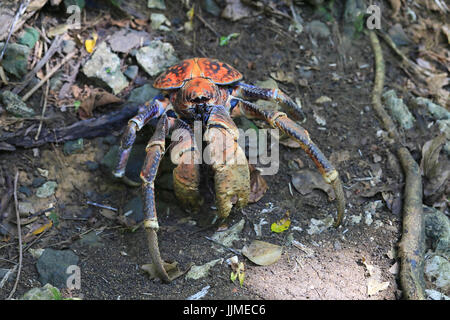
223	153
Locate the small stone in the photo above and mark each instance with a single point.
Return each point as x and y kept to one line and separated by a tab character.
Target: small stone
318	29
68	46
52	266
25	208
26	191
15	59
14	105
143	94
398	110
105	66
131	72
37	182
317	226
46	190
156	57
211	7
437	270
74	146
156	4
158	20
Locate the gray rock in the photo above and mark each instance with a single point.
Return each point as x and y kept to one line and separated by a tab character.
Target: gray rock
26	191
438	112
437	270
26	208
37	182
437	229
398	109
126	40
156	4
14	105
136	206
73	146
46	190
15	59
105	66
318	29
143	94
156	57
211	7
52	266
68	46
436	295
131	72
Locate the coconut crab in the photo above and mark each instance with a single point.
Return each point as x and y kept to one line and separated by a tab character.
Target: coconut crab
211	92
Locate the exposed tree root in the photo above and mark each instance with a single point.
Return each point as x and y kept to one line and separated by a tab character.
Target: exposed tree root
412	243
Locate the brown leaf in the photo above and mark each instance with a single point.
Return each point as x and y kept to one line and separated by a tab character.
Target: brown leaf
92	98
258	185
306	180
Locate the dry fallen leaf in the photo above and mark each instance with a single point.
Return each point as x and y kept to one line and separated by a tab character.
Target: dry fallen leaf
258	185
262	253
281	225
90	43
306	180
92	98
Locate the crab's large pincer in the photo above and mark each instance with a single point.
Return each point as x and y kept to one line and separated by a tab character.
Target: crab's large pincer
186	175
231	173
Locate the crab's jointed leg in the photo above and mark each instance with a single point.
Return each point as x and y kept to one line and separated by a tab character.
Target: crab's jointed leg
292	129
231	173
186	175
146	113
155	151
251	92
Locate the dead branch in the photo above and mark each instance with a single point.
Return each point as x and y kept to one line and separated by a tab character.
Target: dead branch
412	243
90	128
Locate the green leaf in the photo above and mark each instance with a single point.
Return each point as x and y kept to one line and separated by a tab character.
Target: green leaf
54	217
77	104
224	40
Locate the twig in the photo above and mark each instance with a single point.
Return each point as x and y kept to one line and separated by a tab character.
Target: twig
413	238
48	75
101	206
199	17
44	107
19	232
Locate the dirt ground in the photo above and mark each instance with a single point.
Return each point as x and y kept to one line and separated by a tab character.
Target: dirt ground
332	266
